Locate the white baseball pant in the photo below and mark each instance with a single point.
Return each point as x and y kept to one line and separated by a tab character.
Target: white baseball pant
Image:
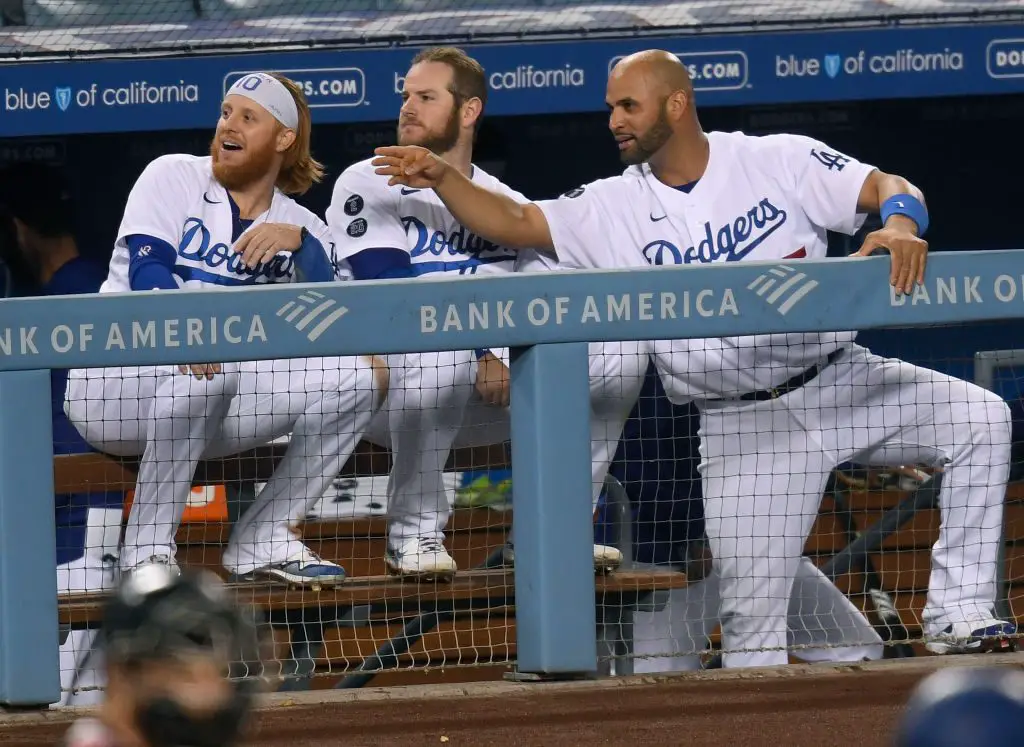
433	406
765	465
822	625
173	420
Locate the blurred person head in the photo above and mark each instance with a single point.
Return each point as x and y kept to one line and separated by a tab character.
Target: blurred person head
263	137
38	213
13	271
965	706
650	102
174	647
443	100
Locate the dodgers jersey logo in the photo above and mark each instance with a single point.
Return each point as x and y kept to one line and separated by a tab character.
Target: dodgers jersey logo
460	243
227	265
730	243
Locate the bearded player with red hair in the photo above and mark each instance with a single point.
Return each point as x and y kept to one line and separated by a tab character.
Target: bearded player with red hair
205	223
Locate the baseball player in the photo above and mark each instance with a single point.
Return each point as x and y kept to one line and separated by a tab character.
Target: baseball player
167	642
395	232
226	220
778	412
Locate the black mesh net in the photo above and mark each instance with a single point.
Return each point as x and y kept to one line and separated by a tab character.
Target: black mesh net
112	27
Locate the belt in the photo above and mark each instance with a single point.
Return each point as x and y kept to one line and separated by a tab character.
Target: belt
795	383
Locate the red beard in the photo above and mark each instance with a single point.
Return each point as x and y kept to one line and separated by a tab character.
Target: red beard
238	176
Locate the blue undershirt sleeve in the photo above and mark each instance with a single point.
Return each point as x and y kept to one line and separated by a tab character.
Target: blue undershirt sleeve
312	263
150	263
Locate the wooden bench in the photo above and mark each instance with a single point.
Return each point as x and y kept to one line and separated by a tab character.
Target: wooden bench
340	630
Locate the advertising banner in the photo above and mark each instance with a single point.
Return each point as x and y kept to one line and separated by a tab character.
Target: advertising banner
152	94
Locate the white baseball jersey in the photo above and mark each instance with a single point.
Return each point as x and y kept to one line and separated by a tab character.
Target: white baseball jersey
366	213
178	200
761	198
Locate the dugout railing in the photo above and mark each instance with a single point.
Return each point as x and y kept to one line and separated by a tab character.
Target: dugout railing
545	319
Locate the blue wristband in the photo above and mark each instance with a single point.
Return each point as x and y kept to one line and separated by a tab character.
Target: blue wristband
909	206
480	353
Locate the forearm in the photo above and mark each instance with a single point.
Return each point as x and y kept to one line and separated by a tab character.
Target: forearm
883	195
494	216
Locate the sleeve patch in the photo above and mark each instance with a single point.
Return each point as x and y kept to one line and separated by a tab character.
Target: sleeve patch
356	228
831	161
354	205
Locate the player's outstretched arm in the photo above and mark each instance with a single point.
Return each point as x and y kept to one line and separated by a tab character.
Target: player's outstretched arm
904	218
488	214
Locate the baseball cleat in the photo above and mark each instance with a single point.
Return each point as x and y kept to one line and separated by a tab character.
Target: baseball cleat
166	560
980	637
422	558
304	568
606	559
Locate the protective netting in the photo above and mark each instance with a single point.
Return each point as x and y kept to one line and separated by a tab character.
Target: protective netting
109	27
871	531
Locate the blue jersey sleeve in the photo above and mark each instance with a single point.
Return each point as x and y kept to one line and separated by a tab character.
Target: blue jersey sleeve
312	263
151	263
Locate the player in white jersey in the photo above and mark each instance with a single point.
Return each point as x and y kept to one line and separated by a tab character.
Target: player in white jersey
227	220
395	232
778	412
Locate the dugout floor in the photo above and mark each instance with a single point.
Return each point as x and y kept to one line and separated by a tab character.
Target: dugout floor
797	706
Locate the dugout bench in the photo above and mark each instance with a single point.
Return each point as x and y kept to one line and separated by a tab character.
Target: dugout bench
867	538
475	611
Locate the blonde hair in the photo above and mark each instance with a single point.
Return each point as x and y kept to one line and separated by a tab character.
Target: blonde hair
299	170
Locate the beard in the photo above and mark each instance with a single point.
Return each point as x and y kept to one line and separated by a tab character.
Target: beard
437	142
238	176
650	142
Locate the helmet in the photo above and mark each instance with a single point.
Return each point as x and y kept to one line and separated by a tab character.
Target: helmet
158	614
961	706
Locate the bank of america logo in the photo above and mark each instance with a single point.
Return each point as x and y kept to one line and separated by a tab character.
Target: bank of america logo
308	308
782	287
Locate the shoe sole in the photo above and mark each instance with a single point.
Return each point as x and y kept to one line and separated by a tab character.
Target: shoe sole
437	576
982	646
290	579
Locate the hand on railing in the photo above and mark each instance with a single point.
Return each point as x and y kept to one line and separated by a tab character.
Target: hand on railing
908	251
201	370
492	380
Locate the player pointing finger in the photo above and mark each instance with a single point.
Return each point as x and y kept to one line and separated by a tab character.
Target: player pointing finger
689	197
411	165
